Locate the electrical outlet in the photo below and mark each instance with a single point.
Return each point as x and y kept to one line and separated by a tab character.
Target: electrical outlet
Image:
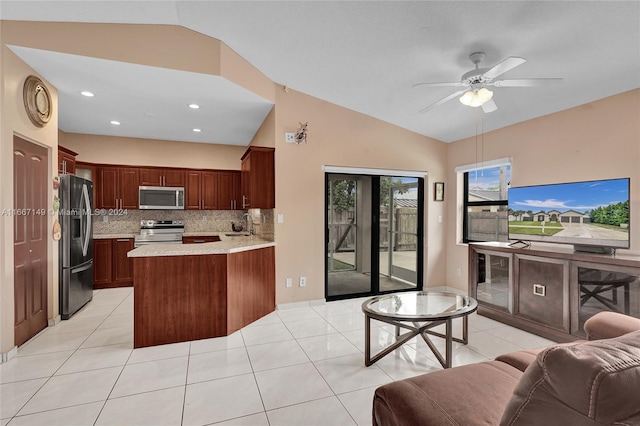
105	218
204	217
458	271
289	282
280	218
290	137
303	281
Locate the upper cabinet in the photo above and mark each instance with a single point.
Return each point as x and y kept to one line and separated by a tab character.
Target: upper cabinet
162	177
201	190
229	192
66	160
117	188
258	178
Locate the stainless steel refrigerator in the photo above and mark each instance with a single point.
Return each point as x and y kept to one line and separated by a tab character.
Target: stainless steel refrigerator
76	244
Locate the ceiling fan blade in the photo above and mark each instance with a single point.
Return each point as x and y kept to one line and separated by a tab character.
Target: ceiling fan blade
454	84
443	100
489	106
504	66
527	82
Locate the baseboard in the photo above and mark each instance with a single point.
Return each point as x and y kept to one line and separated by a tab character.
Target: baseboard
297	305
6	356
447	289
53	321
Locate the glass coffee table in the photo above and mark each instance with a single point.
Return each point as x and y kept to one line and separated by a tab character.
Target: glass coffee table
418	312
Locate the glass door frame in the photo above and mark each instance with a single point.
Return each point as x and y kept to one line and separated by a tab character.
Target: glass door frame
374	289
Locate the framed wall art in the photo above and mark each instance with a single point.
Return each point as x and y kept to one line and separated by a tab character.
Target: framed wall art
438	191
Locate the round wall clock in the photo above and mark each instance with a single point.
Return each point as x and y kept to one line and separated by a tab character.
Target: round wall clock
37	101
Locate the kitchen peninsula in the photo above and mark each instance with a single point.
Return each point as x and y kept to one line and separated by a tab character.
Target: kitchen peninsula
188	292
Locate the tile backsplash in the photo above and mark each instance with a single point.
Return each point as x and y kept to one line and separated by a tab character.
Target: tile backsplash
194	221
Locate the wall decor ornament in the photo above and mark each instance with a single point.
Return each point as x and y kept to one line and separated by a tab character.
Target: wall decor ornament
301	133
37	101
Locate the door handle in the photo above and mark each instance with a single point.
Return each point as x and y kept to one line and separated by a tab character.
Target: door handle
82	268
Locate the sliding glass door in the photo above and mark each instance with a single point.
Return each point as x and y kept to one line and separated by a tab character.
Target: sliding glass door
373	234
398	233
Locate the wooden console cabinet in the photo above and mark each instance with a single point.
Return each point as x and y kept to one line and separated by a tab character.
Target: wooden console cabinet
551	291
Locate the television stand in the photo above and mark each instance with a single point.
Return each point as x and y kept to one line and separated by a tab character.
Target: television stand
551	290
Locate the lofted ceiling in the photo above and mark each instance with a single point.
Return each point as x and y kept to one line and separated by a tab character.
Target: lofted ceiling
363	55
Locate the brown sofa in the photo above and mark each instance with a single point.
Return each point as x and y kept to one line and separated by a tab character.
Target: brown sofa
595	382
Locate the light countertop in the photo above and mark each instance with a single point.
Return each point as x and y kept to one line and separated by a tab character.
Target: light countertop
108	236
230	245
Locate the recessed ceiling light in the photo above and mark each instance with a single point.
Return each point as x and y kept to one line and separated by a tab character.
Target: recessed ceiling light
87	94
115	123
194	106
197	130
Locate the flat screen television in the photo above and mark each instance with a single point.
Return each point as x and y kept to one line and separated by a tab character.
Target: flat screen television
592	215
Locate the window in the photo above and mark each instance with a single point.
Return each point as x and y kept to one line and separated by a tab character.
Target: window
485	205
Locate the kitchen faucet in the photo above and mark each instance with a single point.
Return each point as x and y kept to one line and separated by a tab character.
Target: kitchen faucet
252	230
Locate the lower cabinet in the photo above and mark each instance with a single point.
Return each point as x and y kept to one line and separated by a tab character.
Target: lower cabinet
200	239
111	266
551	293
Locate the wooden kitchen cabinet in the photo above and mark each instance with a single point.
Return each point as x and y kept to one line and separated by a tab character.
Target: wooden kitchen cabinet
258	178
162	177
197	239
66	161
102	263
111	266
201	190
192	297
229	190
117	188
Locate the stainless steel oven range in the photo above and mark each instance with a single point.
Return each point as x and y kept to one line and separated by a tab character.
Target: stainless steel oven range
159	232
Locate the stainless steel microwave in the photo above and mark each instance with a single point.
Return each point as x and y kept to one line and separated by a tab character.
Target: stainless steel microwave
161	198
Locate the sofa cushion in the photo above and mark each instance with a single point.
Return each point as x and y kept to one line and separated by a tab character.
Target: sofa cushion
585	383
474	394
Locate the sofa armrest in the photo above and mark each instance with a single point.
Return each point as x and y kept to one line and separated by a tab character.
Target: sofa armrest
606	325
519	359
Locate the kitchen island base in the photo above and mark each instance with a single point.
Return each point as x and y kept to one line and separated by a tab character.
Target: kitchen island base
192	297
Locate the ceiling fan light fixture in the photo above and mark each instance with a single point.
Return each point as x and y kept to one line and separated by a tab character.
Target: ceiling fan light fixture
475	98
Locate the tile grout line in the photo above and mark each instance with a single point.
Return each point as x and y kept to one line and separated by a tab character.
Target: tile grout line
53	374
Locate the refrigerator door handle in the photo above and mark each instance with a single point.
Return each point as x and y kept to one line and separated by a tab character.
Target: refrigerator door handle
82	268
87	213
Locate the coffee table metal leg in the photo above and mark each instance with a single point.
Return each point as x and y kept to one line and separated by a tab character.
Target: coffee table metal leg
367	340
465	329
449	348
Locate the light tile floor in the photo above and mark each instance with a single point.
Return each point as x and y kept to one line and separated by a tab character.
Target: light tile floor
302	366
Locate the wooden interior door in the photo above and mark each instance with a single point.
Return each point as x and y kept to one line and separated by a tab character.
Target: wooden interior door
30	239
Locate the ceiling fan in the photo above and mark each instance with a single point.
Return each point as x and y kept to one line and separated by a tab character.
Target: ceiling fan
475	83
